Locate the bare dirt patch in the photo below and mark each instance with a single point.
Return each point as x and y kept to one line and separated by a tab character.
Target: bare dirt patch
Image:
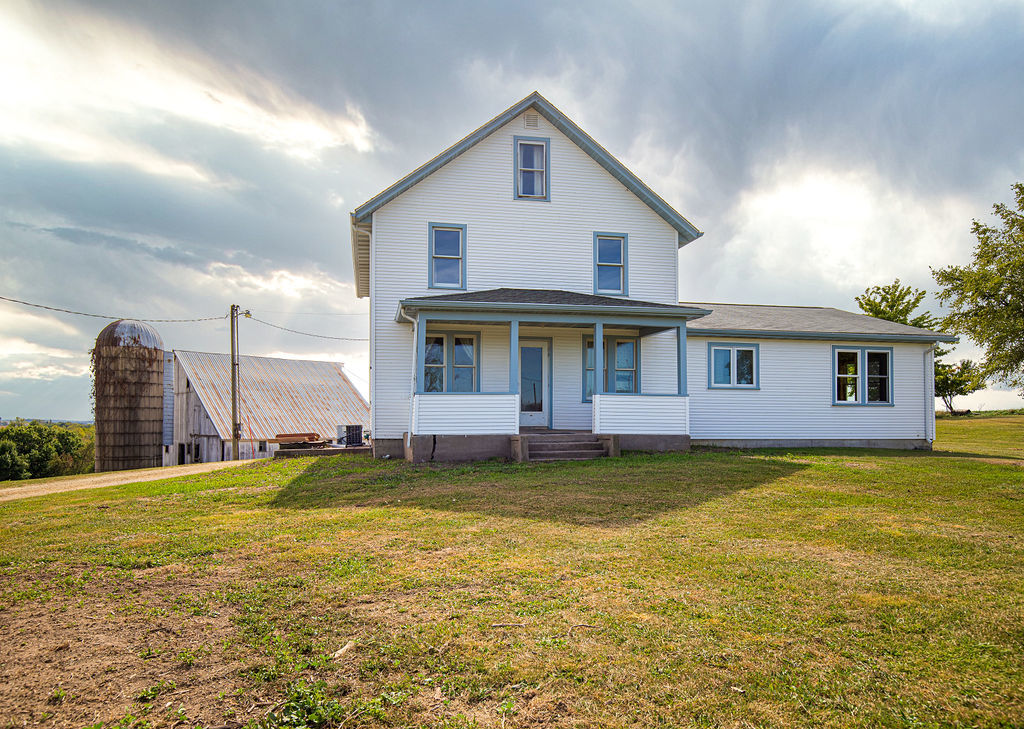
109	647
1002	461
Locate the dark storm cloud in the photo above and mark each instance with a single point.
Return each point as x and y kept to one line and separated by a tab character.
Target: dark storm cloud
263	209
116	243
737	83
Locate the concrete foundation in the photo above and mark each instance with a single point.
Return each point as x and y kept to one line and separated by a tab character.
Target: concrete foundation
303	452
653	443
460	448
388	448
904	444
455	448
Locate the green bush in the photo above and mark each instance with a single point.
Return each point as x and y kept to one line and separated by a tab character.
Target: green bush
12	465
35	449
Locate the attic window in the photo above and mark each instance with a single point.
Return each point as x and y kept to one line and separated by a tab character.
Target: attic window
532	157
531	120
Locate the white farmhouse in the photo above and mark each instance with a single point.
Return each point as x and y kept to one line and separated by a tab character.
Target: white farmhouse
524	303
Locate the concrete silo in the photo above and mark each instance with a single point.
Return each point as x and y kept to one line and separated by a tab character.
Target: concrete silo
128	372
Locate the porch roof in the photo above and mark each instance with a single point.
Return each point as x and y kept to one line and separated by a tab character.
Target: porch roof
545	301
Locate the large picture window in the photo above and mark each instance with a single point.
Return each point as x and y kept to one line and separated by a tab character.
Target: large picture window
611	266
733	366
623	374
451	362
447	265
862	376
532	163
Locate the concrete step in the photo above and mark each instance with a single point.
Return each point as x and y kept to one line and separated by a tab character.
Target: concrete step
558	437
566	445
573	455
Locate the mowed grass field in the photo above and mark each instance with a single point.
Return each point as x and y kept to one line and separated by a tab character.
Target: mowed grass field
734	589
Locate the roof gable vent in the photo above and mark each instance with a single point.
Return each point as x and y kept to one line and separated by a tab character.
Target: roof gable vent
531	120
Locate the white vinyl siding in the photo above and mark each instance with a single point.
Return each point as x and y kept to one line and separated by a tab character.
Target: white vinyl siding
462	414
633	414
508	239
797	382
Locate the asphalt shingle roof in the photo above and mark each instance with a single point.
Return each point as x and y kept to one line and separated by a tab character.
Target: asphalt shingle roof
752	318
803	319
540	296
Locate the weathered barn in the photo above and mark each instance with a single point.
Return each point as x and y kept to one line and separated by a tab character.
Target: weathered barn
274	396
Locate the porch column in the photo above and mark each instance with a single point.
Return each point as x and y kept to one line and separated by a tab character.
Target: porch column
513	356
681	356
421	348
599	384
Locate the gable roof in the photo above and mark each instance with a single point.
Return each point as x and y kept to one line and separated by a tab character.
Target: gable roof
804	322
275	395
360	237
687	231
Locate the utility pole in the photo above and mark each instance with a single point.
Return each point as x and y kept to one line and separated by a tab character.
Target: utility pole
236	425
236	428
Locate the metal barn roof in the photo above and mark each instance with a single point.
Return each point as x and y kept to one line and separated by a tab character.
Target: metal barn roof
275	395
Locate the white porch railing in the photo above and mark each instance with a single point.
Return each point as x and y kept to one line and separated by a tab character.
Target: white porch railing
445	413
641	414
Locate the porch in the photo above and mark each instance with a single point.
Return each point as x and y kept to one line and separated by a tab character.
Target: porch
501	362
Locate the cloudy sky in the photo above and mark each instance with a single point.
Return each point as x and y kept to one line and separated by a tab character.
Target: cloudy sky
167	159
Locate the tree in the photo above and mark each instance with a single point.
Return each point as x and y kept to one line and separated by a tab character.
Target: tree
896	302
12	465
956	380
986	298
48	449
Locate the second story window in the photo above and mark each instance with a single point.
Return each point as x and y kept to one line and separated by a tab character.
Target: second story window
447	256
532	160
611	270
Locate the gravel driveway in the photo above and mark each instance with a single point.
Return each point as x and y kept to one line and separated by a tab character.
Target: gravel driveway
113	478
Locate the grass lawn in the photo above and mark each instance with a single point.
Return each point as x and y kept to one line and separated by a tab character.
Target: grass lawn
762	588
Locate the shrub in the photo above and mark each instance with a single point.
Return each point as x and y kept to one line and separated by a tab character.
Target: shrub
12	465
45	449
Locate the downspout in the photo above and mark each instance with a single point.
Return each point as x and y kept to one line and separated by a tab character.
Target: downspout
415	374
929	395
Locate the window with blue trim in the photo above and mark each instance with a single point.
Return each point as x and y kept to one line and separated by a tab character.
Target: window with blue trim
447	256
532	162
733	365
624	373
862	376
610	265
450	363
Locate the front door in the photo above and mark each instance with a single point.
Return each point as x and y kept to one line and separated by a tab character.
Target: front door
534	378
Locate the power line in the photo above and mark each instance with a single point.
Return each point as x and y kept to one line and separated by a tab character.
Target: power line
350	373
307	334
313	313
106	316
